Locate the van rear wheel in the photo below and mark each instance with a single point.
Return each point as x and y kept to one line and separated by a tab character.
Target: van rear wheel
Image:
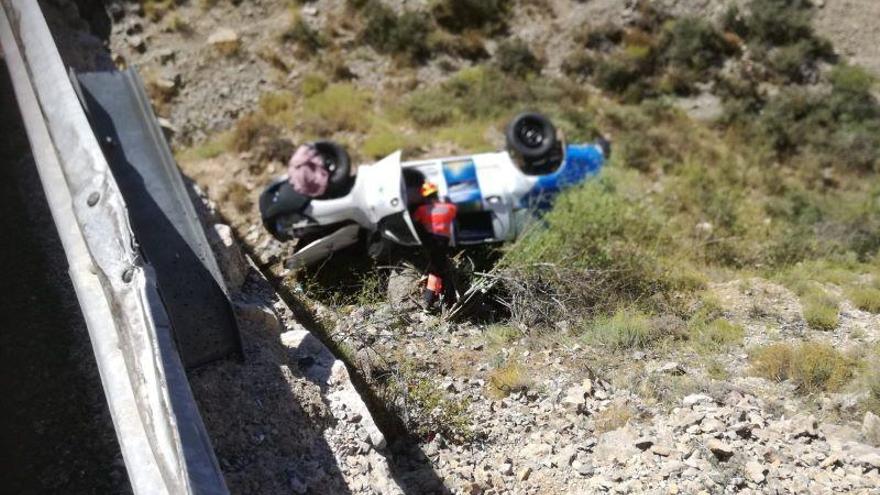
338	164
531	138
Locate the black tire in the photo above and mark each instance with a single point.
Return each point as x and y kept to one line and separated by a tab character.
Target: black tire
531	136
338	163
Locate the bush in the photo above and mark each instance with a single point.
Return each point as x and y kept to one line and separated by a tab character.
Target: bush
406	34
579	64
821	310
340	107
779	22
514	57
508	379
312	84
626	329
459	15
426	409
715	335
249	130
695	44
797	61
429	108
840	127
811	366
866	299
473	95
306	38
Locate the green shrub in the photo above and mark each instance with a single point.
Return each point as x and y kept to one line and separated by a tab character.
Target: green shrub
821	310
312	84
779	22
796	62
340	107
426	409
405	34
514	57
429	108
471	95
811	366
694	43
501	335
616	74
866	299
715	335
459	15
580	64
308	39
382	142
840	127
626	329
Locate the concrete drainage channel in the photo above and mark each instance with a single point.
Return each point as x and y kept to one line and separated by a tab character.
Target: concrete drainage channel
280	417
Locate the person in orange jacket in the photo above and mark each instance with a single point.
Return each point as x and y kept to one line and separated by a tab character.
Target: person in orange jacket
437	217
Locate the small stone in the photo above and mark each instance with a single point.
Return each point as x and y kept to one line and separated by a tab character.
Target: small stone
506	469
721	450
575	398
711	425
754	471
225	40
693	399
578	466
564	458
661	450
689	419
644	443
672	368
137	43
166	55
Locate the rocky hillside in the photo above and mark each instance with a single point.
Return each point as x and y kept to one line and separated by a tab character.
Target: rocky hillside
702	318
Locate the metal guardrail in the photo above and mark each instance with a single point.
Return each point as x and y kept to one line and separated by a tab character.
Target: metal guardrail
163	440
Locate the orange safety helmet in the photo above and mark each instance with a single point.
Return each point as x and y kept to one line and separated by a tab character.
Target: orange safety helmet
428	189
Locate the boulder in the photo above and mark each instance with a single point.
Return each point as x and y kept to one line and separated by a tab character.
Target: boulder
617	445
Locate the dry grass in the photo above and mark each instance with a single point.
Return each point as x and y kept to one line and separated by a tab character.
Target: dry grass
811	366
613	417
508	379
238	196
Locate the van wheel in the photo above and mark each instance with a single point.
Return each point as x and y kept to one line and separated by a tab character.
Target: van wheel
338	164
531	135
